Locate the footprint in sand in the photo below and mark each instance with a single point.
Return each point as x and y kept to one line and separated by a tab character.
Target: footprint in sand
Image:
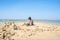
30	35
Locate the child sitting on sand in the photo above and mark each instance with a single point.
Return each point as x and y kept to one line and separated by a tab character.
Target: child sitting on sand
30	22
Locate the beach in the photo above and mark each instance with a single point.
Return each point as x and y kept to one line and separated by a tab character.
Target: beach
39	31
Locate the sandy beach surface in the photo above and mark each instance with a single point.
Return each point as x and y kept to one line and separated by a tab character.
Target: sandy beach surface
39	31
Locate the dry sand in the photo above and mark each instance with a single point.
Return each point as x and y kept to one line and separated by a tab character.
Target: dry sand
40	31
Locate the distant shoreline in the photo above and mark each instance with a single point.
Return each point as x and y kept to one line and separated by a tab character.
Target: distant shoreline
24	20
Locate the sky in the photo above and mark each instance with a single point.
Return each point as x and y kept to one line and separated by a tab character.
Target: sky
37	9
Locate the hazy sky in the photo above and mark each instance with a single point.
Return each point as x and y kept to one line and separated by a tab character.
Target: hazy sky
37	9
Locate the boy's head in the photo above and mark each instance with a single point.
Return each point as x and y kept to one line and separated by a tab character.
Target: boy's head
29	18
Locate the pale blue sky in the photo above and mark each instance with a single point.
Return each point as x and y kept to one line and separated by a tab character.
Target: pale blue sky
37	9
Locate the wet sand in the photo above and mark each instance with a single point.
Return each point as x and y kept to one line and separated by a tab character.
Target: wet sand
40	31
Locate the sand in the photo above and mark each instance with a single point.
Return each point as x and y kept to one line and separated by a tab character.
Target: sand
40	31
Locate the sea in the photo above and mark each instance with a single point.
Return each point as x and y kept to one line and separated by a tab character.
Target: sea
51	21
23	20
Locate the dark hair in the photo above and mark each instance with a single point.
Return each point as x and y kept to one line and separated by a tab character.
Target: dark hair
29	18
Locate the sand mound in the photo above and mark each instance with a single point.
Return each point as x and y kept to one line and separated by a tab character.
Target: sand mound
40	31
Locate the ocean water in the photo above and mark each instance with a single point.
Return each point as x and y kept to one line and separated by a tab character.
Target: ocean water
11	20
49	21
52	21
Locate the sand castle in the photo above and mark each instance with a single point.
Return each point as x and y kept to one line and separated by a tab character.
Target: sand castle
40	31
